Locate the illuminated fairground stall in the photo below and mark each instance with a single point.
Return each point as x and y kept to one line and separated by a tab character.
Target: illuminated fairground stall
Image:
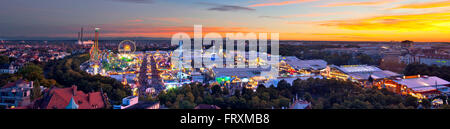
107	63
174	74
127	67
239	77
357	73
121	66
232	76
418	86
291	66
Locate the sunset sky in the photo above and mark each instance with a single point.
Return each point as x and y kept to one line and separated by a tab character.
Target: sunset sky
343	20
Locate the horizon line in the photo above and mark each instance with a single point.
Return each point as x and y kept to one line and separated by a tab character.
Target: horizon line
155	38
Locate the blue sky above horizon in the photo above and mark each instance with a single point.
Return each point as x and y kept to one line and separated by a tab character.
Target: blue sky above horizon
351	20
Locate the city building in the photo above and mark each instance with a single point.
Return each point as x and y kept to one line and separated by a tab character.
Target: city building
132	102
127	102
8	68
15	94
428	59
434	59
300	104
392	62
145	105
69	98
197	77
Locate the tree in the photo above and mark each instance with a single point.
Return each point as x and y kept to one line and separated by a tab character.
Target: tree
67	72
255	102
411	101
328	94
284	102
147	98
187	105
265	96
307	96
190	97
426	103
199	100
219	101
407	43
237	93
260	89
283	84
358	104
117	95
31	72
4	60
337	106
365	59
208	99
423	69
226	91
5	78
36	91
318	104
446	106
216	90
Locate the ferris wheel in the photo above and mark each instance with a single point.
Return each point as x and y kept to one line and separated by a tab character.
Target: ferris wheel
127	47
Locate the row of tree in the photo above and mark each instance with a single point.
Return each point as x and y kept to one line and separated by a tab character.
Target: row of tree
323	93
431	70
67	72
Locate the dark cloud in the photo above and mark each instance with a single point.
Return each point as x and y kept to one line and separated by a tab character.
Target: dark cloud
136	1
220	7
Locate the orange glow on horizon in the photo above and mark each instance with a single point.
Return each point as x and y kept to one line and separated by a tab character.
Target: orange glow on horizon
425	5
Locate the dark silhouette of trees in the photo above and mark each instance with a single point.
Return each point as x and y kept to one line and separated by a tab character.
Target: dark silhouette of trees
323	93
423	69
36	91
4	60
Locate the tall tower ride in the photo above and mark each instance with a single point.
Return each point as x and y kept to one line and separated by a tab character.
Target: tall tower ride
95	53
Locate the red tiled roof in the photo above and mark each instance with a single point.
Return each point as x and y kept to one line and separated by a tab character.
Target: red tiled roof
60	98
12	84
